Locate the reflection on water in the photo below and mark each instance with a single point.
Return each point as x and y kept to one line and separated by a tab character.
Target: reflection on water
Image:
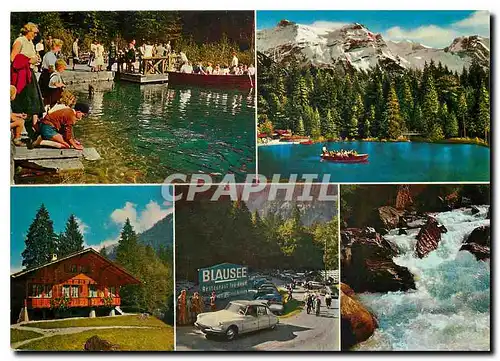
144	133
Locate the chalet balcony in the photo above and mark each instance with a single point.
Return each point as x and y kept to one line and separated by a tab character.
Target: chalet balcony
74	302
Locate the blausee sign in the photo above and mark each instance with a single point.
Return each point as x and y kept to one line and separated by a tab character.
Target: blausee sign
226	279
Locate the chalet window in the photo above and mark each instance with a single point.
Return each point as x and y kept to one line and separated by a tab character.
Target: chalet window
92	291
36	291
48	291
65	291
74	291
74	268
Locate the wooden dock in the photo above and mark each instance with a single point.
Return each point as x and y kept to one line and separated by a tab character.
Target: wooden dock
143	79
53	160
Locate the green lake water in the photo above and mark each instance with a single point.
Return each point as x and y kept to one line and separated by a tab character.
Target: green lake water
146	132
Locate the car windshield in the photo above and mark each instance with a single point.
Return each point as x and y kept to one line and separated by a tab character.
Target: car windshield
235	308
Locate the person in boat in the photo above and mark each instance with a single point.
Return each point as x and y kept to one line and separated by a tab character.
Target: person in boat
209	69
58	126
187	68
324	150
251	70
234	61
217	70
225	70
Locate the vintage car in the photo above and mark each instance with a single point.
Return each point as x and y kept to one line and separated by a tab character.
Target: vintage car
238	317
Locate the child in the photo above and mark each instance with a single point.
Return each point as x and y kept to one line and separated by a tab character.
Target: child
16	120
56	84
57	126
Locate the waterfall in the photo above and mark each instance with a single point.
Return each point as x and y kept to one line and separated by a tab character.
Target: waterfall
450	309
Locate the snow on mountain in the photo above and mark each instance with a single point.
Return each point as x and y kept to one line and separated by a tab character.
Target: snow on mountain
357	46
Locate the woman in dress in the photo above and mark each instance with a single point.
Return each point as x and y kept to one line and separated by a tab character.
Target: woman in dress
29	98
99	56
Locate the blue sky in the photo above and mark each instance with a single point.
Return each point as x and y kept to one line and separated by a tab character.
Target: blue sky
101	212
432	28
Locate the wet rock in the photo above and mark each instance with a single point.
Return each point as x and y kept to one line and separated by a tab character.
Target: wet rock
367	265
429	237
95	343
479	242
357	323
389	218
474	210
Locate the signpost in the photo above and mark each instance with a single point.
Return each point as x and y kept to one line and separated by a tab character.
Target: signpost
226	279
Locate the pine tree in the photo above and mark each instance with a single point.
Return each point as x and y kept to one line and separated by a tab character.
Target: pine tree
406	102
127	247
315	125
41	241
436	132
418	120
462	111
300	127
329	127
351	129
370	119
71	240
451	128
483	116
430	103
393	115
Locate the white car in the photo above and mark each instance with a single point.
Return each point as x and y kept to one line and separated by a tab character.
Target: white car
238	317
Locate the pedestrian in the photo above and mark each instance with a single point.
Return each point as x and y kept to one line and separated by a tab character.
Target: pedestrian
112	56
75	51
49	66
99	56
328	300
40	49
317	304
309	303
213	298
181	308
131	57
23	59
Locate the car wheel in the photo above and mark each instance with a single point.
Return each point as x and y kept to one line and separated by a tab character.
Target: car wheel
231	333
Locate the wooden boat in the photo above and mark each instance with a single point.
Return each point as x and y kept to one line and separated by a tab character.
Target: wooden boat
215	81
307	142
359	158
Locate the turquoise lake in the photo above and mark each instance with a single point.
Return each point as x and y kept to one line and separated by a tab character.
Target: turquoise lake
387	162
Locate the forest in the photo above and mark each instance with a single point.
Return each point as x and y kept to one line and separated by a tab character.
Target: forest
202	35
152	266
208	233
434	103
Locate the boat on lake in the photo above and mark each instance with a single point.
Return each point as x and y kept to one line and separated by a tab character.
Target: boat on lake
307	142
210	80
358	158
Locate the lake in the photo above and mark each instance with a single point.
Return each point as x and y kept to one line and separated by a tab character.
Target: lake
145	133
387	162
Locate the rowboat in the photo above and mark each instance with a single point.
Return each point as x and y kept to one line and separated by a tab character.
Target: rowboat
359	158
307	142
209	80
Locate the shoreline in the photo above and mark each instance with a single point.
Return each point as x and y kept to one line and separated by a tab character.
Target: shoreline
443	141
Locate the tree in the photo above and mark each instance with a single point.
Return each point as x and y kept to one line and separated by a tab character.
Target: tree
41	241
300	127
392	115
329	127
430	103
451	128
462	111
436	132
71	240
406	103
483	116
127	247
315	125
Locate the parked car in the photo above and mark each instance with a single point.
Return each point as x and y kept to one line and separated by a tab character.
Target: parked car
238	317
274	301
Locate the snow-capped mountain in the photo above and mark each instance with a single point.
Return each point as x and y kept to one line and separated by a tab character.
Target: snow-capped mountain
357	46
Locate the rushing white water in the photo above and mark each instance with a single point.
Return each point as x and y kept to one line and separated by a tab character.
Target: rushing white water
450	309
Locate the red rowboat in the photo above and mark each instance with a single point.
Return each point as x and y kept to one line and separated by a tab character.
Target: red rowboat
307	142
359	158
216	81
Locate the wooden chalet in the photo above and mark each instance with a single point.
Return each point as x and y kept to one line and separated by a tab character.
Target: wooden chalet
83	282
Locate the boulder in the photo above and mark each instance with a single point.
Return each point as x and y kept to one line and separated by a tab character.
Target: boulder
357	323
367	265
479	242
429	237
389	218
95	343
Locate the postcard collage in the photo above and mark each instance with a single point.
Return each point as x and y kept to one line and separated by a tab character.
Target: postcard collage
250	181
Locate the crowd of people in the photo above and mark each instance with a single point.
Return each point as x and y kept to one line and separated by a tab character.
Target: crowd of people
189	307
342	153
313	302
43	107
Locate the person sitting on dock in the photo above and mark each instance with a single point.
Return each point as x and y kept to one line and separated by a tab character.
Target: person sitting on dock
56	84
58	126
16	120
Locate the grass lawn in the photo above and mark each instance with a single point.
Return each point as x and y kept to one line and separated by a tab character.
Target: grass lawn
132	320
21	335
158	339
291	307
